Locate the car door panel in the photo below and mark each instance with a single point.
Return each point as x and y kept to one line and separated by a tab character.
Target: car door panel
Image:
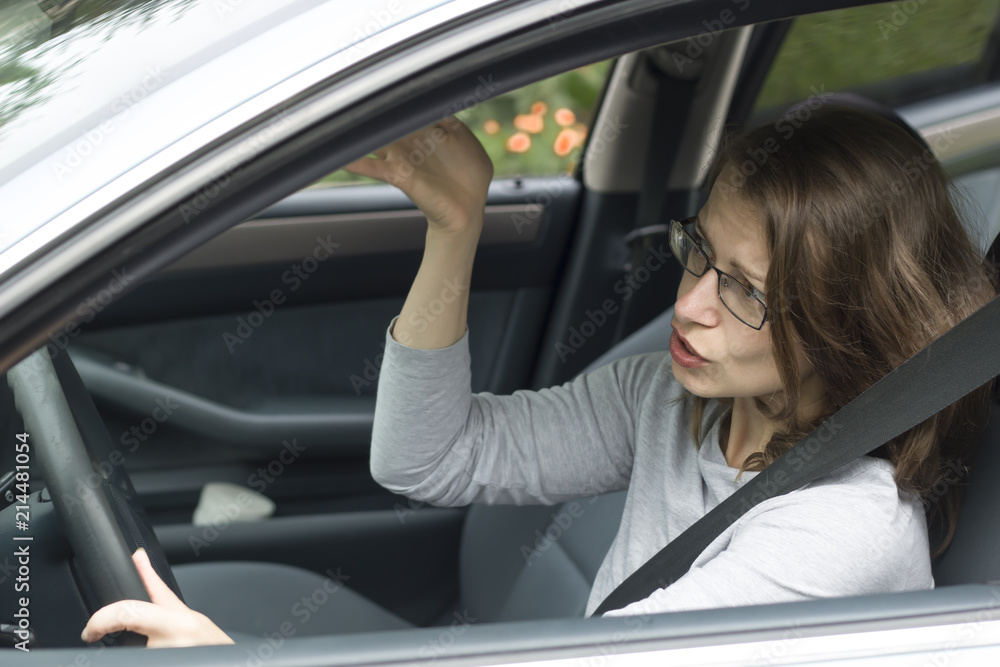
236	349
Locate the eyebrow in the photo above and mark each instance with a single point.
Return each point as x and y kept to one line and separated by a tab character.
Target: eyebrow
735	262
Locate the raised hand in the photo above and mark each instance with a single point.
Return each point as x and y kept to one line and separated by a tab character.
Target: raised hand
442	167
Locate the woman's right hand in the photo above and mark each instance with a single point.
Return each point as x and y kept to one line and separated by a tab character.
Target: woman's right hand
442	168
446	172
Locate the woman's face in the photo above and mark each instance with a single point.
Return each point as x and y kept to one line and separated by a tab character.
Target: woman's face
714	354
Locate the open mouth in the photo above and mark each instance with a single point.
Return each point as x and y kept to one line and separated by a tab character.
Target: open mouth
682	353
687	347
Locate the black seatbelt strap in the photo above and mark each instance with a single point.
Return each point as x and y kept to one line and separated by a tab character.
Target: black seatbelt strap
964	358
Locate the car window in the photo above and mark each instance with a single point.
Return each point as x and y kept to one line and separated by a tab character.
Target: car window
536	130
895	53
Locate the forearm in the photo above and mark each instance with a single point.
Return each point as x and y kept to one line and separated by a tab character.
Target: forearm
435	441
435	311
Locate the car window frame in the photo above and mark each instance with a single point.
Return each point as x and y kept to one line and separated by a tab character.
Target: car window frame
765	48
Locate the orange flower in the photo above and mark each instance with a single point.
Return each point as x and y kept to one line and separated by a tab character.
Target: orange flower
539	108
566	141
565	117
528	122
518	142
491	126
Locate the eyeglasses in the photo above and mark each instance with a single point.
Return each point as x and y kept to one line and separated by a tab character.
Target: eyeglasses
743	301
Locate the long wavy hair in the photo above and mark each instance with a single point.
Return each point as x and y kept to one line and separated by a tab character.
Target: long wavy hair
869	263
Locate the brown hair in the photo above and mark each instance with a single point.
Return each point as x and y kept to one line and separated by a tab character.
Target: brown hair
869	262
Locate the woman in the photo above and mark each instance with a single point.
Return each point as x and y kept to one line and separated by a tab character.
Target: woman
822	259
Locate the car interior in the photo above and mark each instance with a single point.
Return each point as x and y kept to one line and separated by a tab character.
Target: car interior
231	366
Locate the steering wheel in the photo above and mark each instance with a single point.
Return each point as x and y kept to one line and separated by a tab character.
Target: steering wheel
91	491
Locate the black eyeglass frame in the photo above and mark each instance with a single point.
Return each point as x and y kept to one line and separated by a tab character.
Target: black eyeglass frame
682	225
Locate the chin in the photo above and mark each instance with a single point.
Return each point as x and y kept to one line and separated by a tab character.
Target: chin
695	385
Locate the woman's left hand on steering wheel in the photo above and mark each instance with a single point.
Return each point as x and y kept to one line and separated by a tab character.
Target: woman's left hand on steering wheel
166	621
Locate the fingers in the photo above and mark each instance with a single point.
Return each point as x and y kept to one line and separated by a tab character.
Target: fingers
164	628
386	163
158	591
141	617
134	615
166	621
370	167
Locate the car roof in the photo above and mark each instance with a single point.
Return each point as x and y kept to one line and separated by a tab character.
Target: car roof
78	121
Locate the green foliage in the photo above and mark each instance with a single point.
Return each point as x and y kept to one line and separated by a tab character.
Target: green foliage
846	48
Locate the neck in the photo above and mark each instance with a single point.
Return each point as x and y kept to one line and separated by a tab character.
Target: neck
750	431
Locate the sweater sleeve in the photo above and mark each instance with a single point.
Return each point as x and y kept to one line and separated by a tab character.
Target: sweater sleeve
435	441
821	542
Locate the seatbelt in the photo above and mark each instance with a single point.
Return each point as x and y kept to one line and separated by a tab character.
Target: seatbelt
952	366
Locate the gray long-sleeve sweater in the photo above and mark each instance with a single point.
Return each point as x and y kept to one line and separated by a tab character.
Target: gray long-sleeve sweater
625	426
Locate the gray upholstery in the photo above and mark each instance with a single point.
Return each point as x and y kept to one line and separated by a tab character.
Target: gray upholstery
982	209
974	554
257	598
535	562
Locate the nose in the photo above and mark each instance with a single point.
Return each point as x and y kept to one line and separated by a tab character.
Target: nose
698	299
